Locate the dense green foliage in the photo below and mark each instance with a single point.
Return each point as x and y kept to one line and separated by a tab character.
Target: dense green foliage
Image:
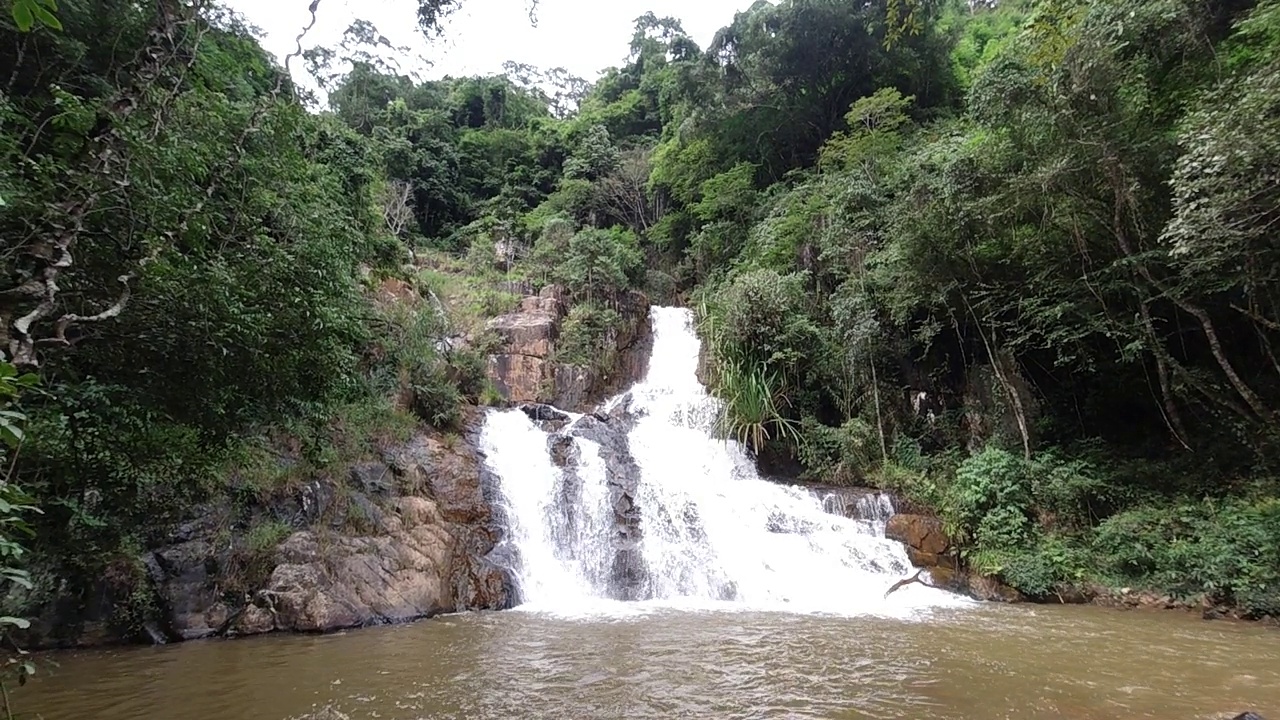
1017	260
1051	245
192	263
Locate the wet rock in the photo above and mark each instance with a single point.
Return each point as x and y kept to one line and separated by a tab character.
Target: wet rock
538	412
921	532
779	522
629	575
1247	716
564	452
151	629
862	503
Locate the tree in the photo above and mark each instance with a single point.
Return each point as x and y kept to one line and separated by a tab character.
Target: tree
15	504
600	264
397	206
626	193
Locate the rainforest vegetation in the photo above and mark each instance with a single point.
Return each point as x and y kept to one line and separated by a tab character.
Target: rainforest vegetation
1019	260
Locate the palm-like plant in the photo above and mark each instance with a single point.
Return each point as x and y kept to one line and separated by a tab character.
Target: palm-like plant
750	393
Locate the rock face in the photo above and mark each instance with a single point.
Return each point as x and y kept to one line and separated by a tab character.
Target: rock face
407	536
524	368
929	547
629	575
988	412
923	535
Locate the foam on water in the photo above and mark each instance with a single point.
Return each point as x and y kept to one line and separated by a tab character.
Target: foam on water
715	536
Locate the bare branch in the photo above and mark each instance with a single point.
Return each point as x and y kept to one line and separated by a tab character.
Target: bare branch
397	206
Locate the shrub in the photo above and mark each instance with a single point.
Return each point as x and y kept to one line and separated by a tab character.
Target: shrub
1227	550
992	480
585	334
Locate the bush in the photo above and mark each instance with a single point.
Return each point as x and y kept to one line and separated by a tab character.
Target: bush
1229	551
1040	569
436	398
992	481
764	315
838	455
585	336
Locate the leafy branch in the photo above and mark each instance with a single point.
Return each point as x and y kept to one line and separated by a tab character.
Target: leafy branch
29	13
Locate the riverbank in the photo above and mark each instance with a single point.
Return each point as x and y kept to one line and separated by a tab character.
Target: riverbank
930	547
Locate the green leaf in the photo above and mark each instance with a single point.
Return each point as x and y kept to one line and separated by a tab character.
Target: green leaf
20	623
46	17
22	15
24	582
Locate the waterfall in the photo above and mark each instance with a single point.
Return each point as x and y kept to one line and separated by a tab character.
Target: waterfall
641	502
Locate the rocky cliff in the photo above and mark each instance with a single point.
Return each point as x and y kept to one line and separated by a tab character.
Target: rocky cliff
408	535
525	367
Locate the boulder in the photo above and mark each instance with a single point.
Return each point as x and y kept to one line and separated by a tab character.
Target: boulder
422	546
922	533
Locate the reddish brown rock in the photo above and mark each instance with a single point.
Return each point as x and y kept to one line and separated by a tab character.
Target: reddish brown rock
523	368
922	533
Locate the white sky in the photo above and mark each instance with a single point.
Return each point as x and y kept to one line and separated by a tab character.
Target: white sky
584	36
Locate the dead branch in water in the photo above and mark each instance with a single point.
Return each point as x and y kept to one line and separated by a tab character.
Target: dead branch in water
907	581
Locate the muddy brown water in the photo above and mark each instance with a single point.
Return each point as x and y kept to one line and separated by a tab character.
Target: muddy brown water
985	661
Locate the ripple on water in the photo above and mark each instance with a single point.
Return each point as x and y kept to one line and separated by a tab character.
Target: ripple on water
650	661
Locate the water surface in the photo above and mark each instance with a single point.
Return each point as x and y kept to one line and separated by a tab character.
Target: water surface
638	661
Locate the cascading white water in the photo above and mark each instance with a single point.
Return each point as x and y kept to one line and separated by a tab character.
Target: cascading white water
711	531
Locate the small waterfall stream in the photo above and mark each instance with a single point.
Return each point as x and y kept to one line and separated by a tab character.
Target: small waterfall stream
640	502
